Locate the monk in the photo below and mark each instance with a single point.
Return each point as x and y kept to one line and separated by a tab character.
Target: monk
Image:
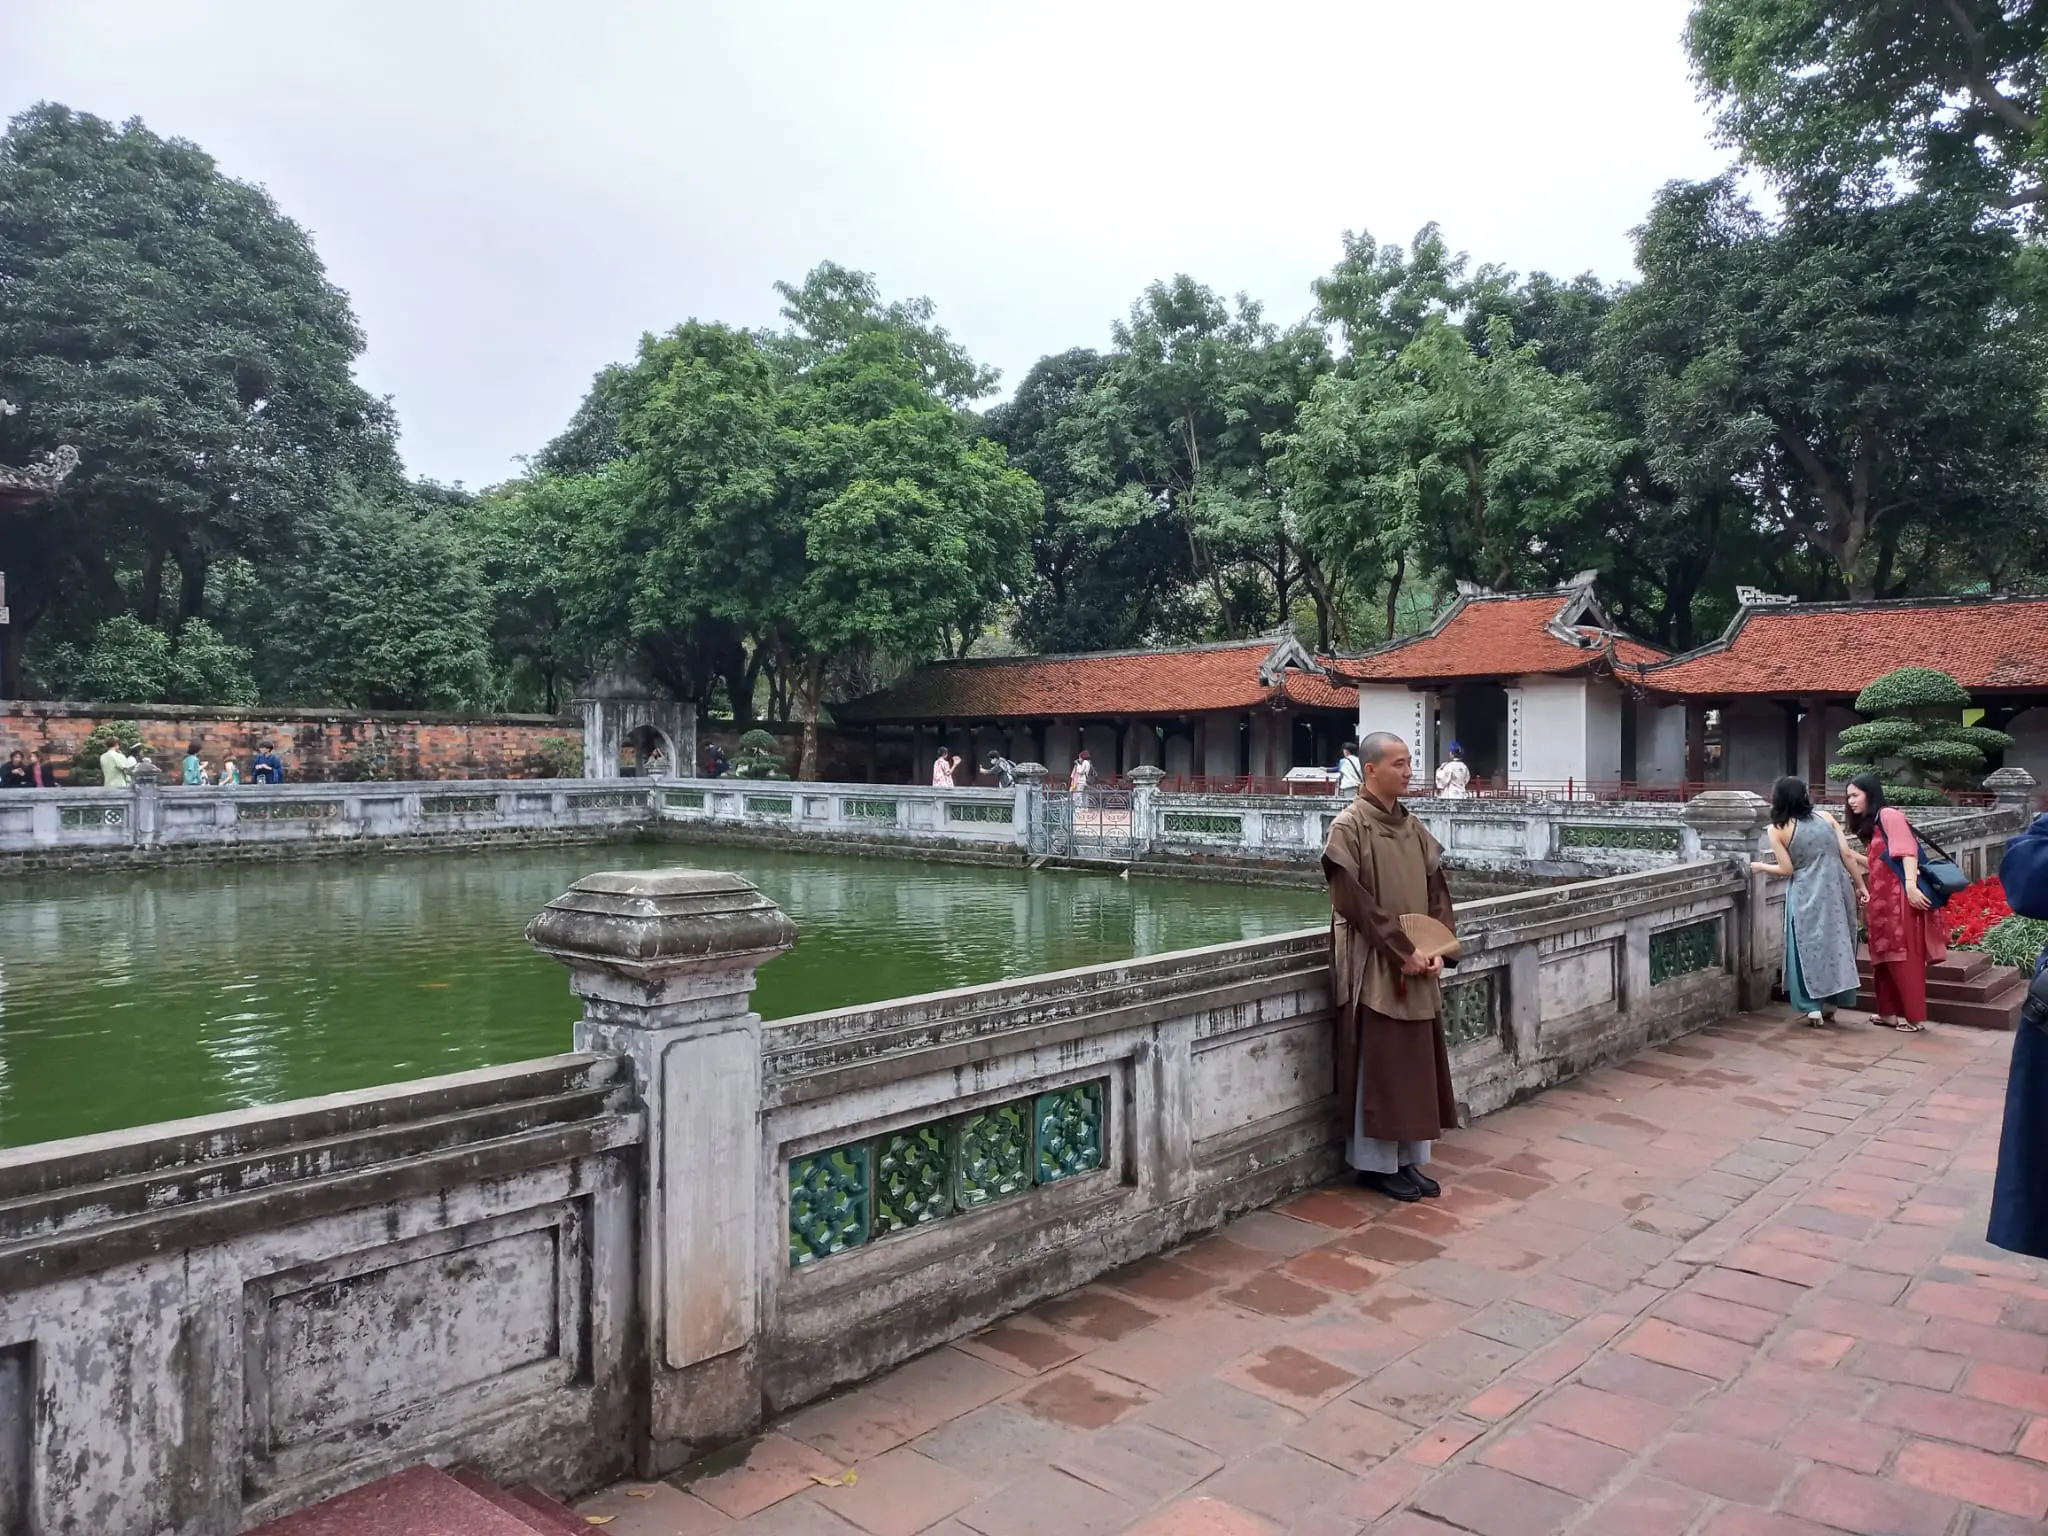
1392	1066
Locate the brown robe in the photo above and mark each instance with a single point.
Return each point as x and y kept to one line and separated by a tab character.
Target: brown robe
1380	864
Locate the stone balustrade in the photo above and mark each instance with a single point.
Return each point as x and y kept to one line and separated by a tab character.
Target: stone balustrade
613	1260
1138	825
154	821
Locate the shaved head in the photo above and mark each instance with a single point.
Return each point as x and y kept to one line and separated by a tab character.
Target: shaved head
1378	744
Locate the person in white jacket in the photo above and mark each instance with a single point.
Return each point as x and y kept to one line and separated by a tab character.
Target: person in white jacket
1454	777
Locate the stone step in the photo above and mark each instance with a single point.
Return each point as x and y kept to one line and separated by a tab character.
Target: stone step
1961	965
1994	1002
524	1502
420	1501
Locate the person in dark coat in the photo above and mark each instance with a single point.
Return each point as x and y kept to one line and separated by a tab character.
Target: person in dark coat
2019	1194
1393	1072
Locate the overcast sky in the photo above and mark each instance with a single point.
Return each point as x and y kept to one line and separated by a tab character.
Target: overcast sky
513	190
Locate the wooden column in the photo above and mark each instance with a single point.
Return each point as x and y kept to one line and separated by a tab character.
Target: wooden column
1695	741
1816	742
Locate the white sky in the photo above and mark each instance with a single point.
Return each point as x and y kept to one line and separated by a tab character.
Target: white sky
513	190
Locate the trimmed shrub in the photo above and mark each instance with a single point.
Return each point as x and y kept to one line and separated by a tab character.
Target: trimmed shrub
1917	735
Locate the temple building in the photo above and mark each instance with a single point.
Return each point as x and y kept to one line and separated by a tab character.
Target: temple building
1242	710
1782	680
1540	689
1534	686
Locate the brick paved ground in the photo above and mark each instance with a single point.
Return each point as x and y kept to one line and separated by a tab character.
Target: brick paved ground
1735	1287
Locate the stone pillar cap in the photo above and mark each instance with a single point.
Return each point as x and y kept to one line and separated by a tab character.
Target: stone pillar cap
1145	773
2009	778
1716	809
651	922
1029	773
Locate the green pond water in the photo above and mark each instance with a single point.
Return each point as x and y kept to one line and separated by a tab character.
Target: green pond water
132	997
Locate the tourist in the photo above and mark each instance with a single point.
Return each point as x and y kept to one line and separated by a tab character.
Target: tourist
1083	770
1349	774
42	773
1820	908
195	770
229	772
2019	1193
1453	777
716	763
266	767
1906	933
1381	863
117	768
1002	770
943	769
15	774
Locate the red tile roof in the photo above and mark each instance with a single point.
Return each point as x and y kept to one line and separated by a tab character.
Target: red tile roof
1840	648
1193	680
1516	635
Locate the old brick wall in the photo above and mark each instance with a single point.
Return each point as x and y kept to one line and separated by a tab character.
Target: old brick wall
317	745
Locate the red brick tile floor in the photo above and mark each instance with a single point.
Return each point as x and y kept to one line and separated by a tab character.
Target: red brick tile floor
1734	1287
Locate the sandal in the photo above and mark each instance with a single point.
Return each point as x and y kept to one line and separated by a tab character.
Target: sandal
1816	1021
1903	1026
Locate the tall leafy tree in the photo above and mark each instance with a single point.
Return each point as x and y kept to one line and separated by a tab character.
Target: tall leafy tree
821	501
182	333
1109	568
1473	465
383	609
1866	374
1939	94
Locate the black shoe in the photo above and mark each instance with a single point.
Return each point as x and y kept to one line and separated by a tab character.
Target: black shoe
1422	1181
1395	1186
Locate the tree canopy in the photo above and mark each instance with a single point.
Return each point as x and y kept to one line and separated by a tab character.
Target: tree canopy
177	329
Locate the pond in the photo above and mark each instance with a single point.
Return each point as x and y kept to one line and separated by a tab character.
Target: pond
140	996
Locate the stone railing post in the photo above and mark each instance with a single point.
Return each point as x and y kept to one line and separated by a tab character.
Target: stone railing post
2012	791
148	806
1030	779
1145	807
1730	826
664	961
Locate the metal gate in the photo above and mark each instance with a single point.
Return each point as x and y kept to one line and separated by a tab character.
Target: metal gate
1090	824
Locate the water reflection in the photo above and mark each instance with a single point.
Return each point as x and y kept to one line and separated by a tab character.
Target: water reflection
135	997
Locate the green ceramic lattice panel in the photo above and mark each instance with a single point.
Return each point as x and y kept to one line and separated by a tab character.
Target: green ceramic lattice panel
992	1158
1068	1127
975	811
1681	951
1470	1011
828	1203
912	1178
1646	839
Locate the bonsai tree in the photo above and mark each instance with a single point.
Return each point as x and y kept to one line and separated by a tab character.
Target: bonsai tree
1914	737
758	758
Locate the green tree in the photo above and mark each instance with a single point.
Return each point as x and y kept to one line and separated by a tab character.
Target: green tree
1180	424
1834	93
174	326
1109	567
820	500
384	609
1470	464
1867	376
523	538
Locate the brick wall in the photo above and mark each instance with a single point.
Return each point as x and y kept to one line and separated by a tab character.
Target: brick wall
317	745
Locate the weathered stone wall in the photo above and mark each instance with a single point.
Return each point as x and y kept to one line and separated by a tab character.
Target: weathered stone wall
318	745
205	1323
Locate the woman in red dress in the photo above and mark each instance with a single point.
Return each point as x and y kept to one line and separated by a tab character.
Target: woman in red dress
1906	934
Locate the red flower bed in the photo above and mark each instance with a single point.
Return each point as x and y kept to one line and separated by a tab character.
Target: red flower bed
1975	913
